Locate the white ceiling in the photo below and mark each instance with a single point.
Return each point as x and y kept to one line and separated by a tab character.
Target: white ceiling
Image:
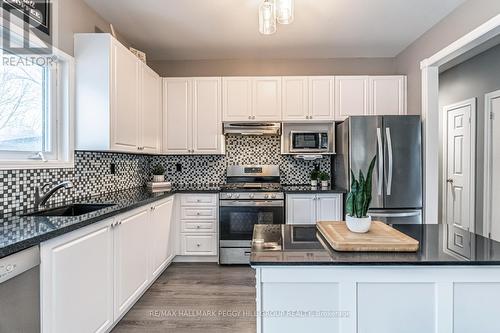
228	29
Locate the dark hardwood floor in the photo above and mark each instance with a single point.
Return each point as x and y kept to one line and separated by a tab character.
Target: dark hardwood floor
195	298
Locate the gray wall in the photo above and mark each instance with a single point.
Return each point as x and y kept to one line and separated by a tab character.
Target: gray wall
464	19
374	66
474	78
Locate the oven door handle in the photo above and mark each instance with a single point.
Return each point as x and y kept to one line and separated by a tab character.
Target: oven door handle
236	203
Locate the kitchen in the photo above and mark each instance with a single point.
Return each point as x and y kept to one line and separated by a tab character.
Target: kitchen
180	189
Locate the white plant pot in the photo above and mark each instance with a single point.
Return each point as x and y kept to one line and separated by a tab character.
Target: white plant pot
314	183
358	225
324	183
158	178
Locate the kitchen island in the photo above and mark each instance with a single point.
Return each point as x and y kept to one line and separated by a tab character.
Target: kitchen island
452	284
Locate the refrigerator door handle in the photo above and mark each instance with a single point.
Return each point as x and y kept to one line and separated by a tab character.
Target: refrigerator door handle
389	146
380	161
410	214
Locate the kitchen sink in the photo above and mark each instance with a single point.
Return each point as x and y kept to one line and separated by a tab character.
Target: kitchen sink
70	210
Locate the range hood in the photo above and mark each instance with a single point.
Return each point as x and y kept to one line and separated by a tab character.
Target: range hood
258	128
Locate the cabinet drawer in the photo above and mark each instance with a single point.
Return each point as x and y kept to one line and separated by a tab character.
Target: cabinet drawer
199	200
193	226
195	213
198	244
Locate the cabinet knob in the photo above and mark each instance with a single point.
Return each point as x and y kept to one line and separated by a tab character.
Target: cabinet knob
198	213
198	245
197	227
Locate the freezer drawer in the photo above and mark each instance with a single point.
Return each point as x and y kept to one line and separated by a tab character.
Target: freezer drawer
397	216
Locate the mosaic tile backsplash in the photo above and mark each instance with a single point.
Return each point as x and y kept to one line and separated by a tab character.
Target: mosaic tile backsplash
92	173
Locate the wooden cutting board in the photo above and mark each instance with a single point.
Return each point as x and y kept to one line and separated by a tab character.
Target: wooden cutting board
380	238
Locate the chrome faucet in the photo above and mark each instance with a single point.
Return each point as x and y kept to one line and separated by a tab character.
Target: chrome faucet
41	199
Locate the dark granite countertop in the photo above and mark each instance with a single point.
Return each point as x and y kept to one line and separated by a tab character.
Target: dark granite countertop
21	232
301	245
305	188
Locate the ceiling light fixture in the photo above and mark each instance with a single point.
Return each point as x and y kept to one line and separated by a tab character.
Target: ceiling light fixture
272	12
267	17
284	11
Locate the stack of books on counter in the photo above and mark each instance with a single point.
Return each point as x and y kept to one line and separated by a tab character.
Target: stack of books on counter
159	186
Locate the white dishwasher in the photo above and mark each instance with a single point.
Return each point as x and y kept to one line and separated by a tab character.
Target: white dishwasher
20	292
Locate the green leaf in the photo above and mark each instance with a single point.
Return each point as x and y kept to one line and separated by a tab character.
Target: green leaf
360	197
368	186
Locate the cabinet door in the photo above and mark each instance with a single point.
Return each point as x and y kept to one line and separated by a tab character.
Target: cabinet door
160	226
131	237
207	124
321	97
237	99
125	100
351	96
177	116
388	95
266	101
77	281
301	209
295	98
329	207
151	109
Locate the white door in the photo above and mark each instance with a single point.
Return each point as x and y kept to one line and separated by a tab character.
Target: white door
351	96
266	101
388	95
492	165
459	164
295	98
151	110
321	97
237	98
177	116
131	237
329	207
77	276
301	209
160	226
207	124
125	100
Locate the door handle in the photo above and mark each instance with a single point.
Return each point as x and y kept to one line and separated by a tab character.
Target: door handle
380	161
449	181
389	146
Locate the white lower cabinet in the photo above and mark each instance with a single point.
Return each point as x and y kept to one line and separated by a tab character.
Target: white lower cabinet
198	224
131	259
90	277
311	208
77	281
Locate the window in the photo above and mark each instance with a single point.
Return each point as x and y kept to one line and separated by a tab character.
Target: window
35	113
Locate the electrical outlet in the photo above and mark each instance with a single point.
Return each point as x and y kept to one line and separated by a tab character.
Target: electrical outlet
112	168
178	167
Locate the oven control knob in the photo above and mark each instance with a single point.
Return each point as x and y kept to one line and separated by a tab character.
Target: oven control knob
236	196
229	196
273	196
251	195
266	196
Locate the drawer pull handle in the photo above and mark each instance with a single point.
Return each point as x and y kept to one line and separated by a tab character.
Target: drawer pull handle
198	213
197	227
198	200
198	245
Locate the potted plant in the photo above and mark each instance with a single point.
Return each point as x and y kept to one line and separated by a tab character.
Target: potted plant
314	177
358	201
158	173
324	178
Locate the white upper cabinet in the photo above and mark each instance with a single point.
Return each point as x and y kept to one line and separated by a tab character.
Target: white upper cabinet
351	96
117	102
237	99
266	101
125	100
251	98
321	98
295	98
192	116
177	105
388	95
151	100
207	123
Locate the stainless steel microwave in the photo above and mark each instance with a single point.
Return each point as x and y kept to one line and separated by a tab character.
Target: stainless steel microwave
309	142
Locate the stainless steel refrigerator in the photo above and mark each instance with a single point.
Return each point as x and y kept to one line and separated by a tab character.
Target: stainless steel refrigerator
397	177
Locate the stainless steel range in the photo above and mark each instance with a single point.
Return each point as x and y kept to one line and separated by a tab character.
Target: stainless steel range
252	195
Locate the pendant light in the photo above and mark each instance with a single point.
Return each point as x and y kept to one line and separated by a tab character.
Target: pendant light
284	11
267	17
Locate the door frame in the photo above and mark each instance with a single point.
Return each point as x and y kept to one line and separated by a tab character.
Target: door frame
472	168
488	98
430	108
